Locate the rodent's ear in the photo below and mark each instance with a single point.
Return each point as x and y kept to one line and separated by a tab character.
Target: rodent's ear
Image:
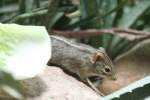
101	49
97	56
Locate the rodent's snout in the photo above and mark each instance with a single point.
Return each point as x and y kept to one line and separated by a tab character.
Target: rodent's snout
112	77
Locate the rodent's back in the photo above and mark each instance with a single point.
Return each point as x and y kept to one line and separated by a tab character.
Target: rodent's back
72	56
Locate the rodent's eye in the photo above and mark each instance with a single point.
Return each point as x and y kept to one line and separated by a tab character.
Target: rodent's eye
107	70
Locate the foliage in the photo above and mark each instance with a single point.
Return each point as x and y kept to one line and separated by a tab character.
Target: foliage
82	15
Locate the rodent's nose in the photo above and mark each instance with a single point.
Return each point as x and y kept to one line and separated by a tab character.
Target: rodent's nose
112	77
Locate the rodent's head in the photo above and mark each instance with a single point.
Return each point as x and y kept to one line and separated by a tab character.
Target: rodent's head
103	65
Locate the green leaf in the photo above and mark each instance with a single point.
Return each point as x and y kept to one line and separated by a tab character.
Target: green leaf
127	20
17	40
115	41
56	17
107	21
28	15
89	9
133	14
52	12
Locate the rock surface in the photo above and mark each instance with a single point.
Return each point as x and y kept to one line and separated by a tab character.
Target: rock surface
54	84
